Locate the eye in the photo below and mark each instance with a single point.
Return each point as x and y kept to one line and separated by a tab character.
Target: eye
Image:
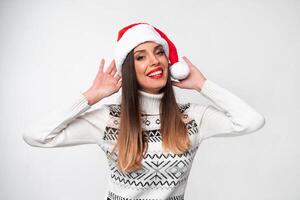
140	57
161	52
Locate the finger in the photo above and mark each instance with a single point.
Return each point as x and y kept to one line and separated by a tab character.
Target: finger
178	84
187	60
119	84
117	77
101	66
111	67
113	72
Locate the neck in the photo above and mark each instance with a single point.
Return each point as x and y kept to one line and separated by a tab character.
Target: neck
149	103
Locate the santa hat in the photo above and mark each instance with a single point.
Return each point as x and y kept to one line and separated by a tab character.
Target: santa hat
134	34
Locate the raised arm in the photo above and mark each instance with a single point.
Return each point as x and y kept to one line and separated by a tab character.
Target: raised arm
68	126
71	125
230	117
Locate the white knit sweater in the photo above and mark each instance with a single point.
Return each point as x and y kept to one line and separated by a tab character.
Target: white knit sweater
164	175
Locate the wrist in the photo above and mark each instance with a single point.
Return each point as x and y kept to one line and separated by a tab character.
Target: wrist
92	97
200	85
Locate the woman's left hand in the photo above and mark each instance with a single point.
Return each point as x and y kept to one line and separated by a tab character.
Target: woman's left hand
194	80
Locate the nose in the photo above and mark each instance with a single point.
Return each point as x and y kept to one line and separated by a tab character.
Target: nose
153	60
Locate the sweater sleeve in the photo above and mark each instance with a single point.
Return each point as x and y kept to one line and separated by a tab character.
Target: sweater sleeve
230	117
68	126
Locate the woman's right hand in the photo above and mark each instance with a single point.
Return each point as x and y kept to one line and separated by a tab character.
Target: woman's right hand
105	84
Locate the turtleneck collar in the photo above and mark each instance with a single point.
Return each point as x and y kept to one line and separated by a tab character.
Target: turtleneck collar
149	103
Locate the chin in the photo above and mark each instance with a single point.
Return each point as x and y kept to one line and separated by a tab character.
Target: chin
157	84
155	88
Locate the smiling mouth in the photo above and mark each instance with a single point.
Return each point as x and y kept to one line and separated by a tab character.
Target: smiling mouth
156	75
156	71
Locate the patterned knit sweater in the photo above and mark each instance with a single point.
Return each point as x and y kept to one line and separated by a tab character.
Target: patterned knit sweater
164	175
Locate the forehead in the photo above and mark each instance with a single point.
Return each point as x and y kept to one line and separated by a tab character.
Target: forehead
147	45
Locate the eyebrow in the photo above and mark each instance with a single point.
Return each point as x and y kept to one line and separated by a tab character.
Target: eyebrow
157	47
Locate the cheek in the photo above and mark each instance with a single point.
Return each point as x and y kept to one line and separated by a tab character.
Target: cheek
140	70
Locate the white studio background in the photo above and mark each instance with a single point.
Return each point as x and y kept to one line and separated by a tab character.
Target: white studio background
51	50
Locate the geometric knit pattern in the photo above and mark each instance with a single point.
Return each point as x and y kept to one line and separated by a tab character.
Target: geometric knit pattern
160	170
115	109
111	133
154	135
112	196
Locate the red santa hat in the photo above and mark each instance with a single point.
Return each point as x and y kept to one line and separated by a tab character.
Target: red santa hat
134	34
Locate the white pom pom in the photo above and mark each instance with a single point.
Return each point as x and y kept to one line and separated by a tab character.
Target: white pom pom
179	70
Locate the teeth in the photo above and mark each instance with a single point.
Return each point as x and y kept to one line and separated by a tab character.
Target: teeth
155	73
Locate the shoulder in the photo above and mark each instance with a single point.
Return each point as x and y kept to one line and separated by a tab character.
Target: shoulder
193	111
114	110
191	107
108	110
183	107
100	114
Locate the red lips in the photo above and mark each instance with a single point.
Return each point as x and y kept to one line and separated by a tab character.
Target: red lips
154	70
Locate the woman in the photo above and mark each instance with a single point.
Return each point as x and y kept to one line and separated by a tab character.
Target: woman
149	139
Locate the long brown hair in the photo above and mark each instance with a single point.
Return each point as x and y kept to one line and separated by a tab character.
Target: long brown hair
132	144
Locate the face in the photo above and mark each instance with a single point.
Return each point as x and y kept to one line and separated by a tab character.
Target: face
151	66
